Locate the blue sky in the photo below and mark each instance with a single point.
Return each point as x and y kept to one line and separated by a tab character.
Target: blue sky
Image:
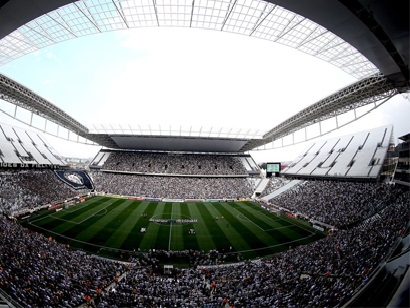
178	76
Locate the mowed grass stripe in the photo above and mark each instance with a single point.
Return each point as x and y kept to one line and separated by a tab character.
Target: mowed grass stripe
257	207
190	240
163	236
292	226
290	230
86	209
94	201
298	230
64	227
233	237
116	223
281	230
288	233
282	220
236	227
150	237
203	236
311	233
256	237
101	231
215	232
75	210
85	232
177	235
52	215
133	241
250	215
129	218
269	218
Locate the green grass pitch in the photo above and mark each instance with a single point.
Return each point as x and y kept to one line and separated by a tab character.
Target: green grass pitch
110	226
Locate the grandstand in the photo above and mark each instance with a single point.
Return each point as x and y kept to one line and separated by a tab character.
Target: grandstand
353	209
358	156
402	170
334	191
26	148
175	163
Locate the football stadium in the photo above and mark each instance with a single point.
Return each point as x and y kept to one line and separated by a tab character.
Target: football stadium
185	216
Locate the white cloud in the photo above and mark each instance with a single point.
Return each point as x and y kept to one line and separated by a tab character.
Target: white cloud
195	76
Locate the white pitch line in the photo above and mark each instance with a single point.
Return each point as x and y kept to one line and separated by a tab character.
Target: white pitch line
277	245
87	243
270	229
248	219
92	215
170	228
41	218
65	220
253	222
240	213
51	215
77	207
299	226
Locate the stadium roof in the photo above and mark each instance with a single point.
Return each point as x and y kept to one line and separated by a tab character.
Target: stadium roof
368	39
360	36
173	138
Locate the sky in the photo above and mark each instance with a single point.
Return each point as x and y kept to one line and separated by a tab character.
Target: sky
183	76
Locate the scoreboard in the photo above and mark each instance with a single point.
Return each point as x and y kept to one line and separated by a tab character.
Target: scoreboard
272	168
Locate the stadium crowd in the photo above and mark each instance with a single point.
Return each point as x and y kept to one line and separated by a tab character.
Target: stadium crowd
187	164
38	272
27	189
334	202
172	187
322	274
274	184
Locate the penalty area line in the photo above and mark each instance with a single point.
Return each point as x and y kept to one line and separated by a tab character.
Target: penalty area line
263	229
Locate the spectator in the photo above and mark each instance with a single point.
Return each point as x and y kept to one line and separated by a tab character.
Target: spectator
173	187
336	203
27	189
187	164
38	272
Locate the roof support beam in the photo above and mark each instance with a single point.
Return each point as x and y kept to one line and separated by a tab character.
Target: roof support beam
230	9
